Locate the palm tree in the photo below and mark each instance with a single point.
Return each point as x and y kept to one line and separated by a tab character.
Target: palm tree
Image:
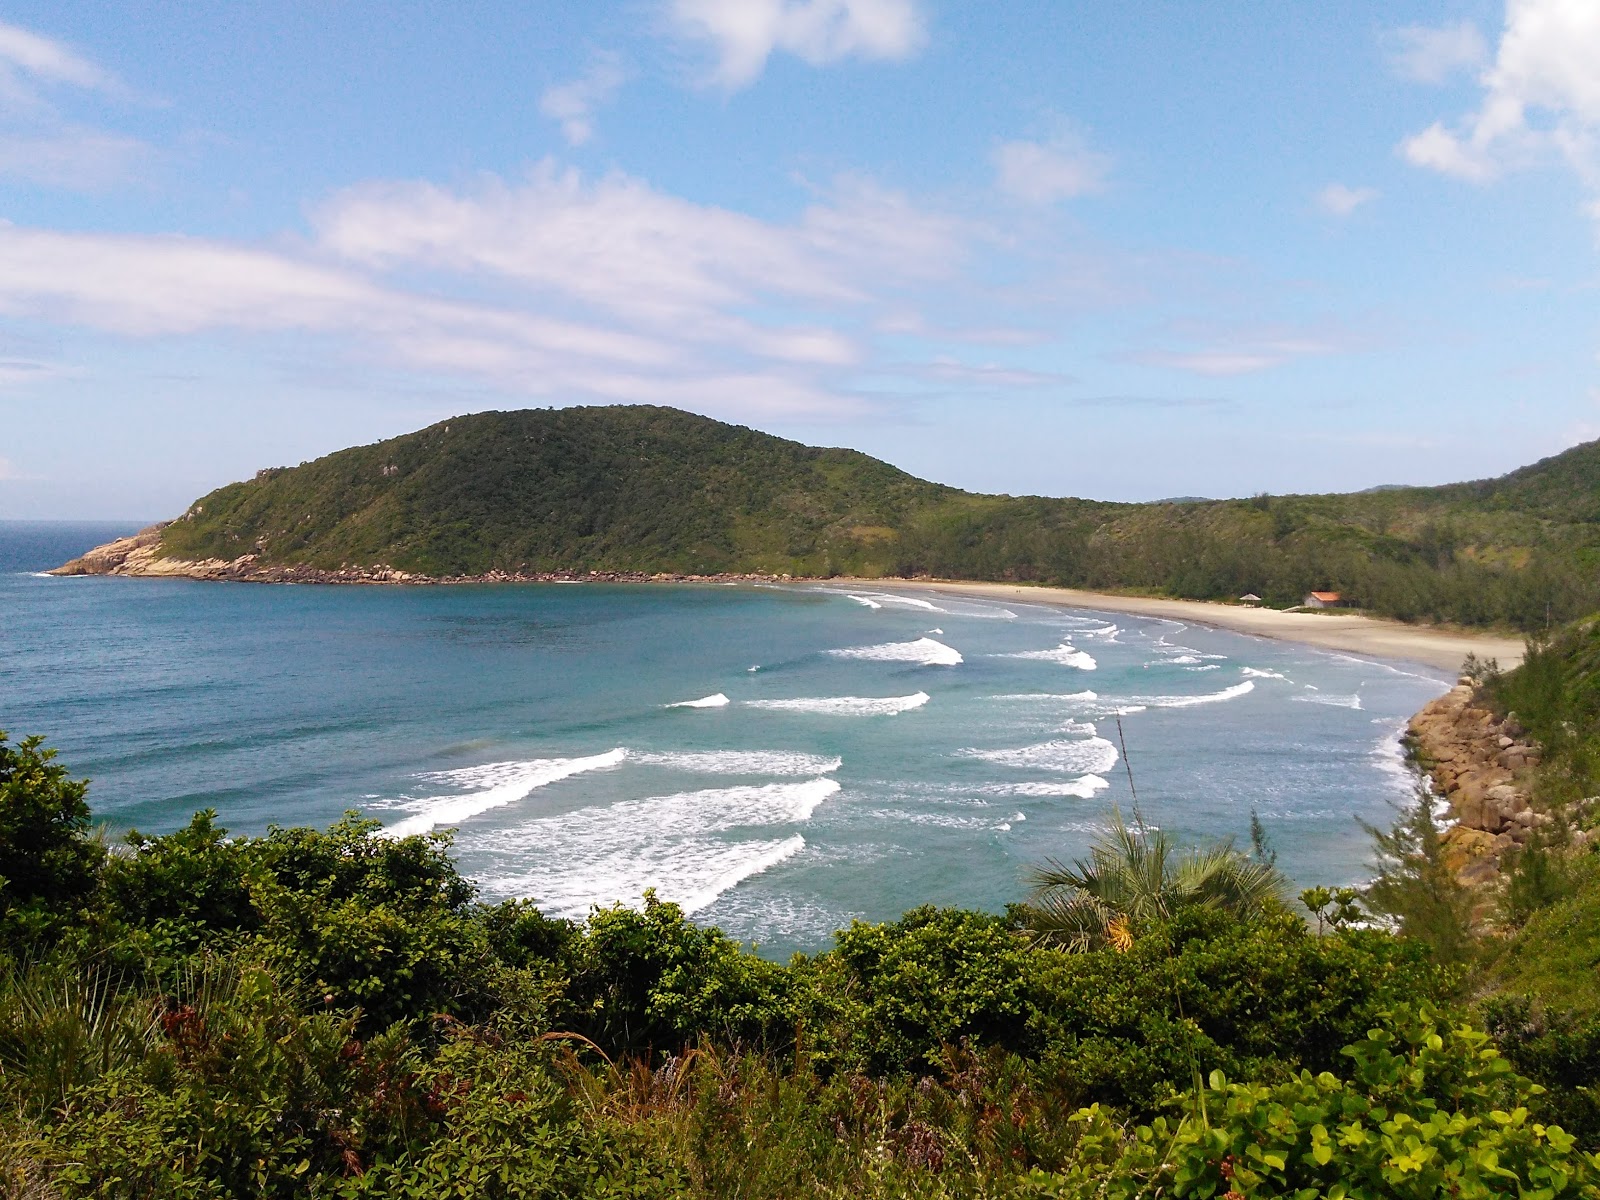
1135	875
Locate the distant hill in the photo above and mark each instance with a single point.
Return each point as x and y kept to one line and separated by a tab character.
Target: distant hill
642	489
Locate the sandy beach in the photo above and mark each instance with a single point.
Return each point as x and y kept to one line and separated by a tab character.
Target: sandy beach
1433	646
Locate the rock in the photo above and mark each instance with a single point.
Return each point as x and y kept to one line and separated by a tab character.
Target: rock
1506	743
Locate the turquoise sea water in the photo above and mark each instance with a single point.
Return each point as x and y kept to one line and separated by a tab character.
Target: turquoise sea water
855	751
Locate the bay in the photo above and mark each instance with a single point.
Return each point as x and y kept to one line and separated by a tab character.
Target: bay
781	760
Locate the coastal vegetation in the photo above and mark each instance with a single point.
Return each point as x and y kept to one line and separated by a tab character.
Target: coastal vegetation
334	1013
642	490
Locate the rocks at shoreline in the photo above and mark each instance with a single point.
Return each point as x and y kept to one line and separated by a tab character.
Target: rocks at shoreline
139	556
1482	764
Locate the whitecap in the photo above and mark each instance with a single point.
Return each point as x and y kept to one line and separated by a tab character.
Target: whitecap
1089	756
1069	696
867	600
846	706
1228	693
507	783
1259	673
924	651
676	844
738	762
1066	655
716	701
1332	700
1084	787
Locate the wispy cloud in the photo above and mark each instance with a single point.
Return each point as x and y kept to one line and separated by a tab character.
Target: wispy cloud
602	288
1340	200
573	104
38	142
744	34
1434	53
1540	102
1223	352
1045	172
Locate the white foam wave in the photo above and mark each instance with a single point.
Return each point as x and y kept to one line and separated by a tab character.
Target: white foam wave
1037	696
716	701
672	843
738	762
1185	659
1084	787
1332	700
879	599
847	706
507	783
1066	655
1258	673
1090	756
1228	693
924	651
1206	667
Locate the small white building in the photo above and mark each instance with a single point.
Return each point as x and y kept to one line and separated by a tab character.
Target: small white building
1249	598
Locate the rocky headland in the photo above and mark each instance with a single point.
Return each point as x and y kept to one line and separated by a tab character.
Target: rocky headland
1482	764
140	556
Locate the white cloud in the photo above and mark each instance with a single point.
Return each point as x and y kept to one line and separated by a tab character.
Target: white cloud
1541	100
71	156
46	60
37	142
1244	351
619	246
743	34
1432	54
573	104
1337	200
1045	172
601	289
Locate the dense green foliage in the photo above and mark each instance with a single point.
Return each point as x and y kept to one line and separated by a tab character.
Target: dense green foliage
645	489
333	1013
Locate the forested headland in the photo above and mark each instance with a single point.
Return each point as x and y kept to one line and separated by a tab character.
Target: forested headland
641	490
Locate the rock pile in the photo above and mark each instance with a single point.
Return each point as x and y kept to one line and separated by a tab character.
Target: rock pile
1482	764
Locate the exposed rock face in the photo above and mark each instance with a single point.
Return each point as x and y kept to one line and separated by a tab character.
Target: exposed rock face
1482	765
139	555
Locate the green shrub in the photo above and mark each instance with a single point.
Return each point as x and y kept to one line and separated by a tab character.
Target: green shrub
49	865
1427	1110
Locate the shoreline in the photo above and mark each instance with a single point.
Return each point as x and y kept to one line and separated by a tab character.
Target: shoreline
1441	648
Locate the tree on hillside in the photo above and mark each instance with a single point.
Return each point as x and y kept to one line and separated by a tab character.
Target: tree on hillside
1133	876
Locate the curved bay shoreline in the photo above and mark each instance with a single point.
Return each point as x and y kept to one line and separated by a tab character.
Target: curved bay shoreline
1438	647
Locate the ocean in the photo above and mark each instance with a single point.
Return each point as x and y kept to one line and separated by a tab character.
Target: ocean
780	760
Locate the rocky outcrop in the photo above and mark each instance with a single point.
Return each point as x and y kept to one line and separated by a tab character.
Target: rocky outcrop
140	555
1482	764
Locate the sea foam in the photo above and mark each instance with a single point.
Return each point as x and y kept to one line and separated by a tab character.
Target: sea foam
846	706
1066	655
1084	787
612	853
924	651
507	783
1228	693
716	701
738	762
1090	756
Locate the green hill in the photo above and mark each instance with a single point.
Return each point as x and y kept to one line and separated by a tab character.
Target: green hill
637	488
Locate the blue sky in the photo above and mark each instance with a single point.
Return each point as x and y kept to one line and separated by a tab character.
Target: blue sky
1122	251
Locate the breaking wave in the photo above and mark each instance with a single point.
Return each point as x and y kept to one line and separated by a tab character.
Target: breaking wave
847	706
716	701
924	651
506	783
